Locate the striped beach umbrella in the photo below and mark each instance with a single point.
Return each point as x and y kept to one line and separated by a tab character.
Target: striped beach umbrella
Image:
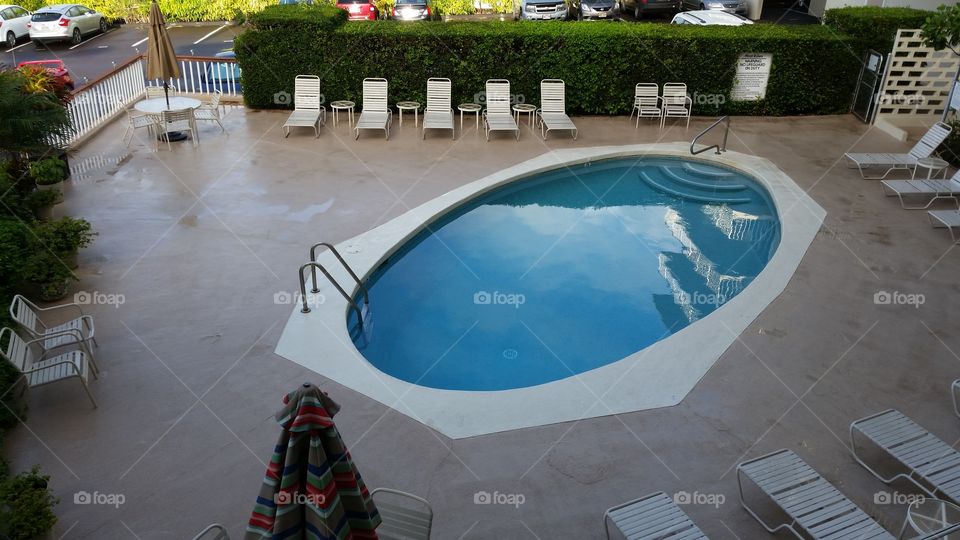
312	489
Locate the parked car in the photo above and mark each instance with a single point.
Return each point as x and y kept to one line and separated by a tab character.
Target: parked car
14	24
295	2
359	10
598	9
219	76
710	18
64	22
411	10
730	6
639	8
543	9
55	68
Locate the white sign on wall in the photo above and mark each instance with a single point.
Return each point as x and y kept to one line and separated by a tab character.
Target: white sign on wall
753	73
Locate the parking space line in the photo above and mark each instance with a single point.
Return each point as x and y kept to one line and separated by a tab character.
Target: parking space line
210	34
87	41
17	47
139	42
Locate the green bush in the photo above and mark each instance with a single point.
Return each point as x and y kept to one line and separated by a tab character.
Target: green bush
173	10
453	7
813	71
26	505
48	171
874	27
296	18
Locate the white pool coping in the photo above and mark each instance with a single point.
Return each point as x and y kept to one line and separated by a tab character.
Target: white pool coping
659	376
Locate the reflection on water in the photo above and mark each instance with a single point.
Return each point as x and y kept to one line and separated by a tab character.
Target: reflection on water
606	262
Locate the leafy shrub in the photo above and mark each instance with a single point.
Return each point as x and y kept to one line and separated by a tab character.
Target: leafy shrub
950	149
48	171
453	7
26	505
173	10
813	71
874	27
295	18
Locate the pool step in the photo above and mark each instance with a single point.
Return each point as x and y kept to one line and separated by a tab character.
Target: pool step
715	186
705	172
685	194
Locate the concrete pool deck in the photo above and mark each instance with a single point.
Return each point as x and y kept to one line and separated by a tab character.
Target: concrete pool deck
204	245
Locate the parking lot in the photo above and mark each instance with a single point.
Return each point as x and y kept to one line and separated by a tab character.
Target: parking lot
97	54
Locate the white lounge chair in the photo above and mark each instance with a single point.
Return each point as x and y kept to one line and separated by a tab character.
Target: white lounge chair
137	121
928	189
812	505
214	531
210	112
405	516
676	103
439	111
924	148
950	219
920	457
498	116
38	368
307	108
655	516
28	316
553	108
376	114
646	102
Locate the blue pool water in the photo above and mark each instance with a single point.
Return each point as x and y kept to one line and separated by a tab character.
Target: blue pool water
564	272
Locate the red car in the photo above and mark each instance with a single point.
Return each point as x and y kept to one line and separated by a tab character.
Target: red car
359	10
55	68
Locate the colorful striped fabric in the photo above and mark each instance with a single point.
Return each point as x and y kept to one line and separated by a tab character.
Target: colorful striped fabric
312	489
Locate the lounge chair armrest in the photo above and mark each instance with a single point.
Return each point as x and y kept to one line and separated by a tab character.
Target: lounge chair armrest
76	369
75	334
61	306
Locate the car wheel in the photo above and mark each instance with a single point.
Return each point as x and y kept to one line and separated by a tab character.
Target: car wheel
76	38
103	26
11	40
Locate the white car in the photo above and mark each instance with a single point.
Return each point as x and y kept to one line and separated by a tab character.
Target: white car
14	24
710	17
65	22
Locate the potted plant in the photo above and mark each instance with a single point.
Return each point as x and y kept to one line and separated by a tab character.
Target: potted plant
41	203
48	173
48	275
64	237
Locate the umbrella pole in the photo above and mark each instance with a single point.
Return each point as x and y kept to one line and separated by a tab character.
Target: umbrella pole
166	93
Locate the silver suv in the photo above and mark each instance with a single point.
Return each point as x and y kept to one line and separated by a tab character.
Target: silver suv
730	6
543	9
63	22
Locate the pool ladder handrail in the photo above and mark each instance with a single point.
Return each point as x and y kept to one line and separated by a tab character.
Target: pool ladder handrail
303	290
721	148
313	271
314	265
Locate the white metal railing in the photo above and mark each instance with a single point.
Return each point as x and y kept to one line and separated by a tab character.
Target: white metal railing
204	75
96	103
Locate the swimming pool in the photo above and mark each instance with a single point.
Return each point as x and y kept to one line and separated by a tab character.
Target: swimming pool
565	271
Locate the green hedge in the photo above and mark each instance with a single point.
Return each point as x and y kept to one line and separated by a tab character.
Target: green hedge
813	68
874	27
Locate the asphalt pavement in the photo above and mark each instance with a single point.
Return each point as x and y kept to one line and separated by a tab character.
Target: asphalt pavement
97	54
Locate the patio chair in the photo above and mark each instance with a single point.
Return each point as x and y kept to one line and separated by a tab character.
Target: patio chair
210	112
307	109
955	394
179	120
917	456
137	121
653	516
553	108
929	189
214	531
497	116
439	111
376	114
924	148
946	218
38	369
811	503
157	92
405	516
646	102
676	103
28	316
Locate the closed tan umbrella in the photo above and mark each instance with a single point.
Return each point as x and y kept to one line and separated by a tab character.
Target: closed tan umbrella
161	59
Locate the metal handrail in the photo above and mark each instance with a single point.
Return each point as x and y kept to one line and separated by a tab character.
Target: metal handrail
303	291
720	149
313	271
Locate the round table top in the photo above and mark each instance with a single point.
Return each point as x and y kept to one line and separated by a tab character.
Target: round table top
408	105
524	107
934	162
469	107
158	105
931	515
342	104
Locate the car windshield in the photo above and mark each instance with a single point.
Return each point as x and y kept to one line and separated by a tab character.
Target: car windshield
45	17
352	1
